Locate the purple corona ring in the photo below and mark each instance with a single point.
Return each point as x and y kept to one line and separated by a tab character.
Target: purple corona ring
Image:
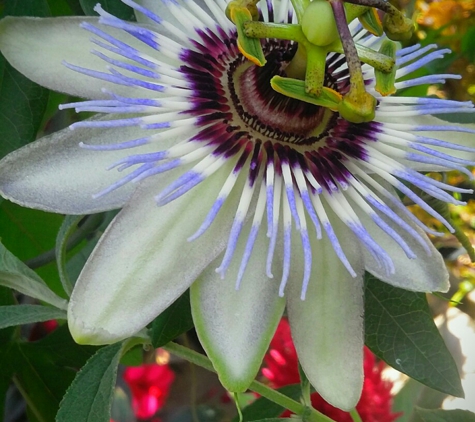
257	201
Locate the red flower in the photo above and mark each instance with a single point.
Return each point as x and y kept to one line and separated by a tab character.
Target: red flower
42	329
282	369
149	384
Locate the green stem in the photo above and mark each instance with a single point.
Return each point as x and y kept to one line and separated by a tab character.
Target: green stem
91	223
355	416
305	385
279	31
256	386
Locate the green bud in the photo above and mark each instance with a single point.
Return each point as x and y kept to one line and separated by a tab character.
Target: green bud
318	23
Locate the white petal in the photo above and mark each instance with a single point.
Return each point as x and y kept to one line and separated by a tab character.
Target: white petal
143	262
459	138
159	8
55	174
37	48
423	274
235	327
327	327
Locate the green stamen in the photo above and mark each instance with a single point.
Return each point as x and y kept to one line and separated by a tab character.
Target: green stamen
280	31
384	80
295	88
371	22
323	28
240	13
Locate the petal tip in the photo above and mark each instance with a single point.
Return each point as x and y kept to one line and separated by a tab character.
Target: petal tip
85	333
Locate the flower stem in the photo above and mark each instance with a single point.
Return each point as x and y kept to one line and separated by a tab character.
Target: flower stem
355	416
196	358
357	105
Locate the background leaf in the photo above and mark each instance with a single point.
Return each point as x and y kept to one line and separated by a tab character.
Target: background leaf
115	7
399	329
23	102
90	396
16	275
175	320
43	370
445	415
27	314
31	236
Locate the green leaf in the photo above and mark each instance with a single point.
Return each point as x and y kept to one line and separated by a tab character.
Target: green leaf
175	320
115	7
445	415
60	348
16	275
4	386
414	394
62	8
31	236
263	408
121	407
26	8
400	330
43	371
41	382
6	298
23	102
468	44
89	398
406	399
27	314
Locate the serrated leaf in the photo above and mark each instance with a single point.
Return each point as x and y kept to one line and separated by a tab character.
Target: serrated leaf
89	398
27	314
445	415
263	408
175	320
16	275
115	7
399	329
